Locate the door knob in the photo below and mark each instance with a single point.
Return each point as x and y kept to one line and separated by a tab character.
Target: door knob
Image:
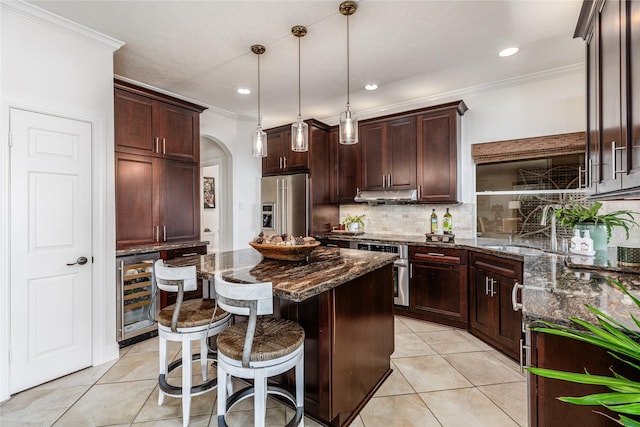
82	261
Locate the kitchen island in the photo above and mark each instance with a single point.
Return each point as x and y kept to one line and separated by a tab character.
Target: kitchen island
343	299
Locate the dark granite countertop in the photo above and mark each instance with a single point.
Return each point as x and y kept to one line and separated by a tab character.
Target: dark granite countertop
556	286
145	249
325	269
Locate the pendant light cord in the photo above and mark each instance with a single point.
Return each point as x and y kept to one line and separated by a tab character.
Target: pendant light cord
348	86
259	116
299	84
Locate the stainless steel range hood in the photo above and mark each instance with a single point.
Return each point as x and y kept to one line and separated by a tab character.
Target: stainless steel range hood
388	197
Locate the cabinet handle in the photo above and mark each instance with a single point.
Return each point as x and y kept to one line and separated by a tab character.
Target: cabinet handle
157	233
285	162
389	180
514	296
157	139
435	254
164	233
410	270
384	181
190	254
164	146
493	282
486	285
613	160
419	191
332	245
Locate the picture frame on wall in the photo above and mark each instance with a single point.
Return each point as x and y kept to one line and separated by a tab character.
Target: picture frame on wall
209	190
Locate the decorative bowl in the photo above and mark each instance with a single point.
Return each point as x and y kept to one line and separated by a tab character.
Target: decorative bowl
285	252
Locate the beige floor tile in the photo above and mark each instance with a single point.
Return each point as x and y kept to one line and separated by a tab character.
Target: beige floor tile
399	327
478	410
108	404
133	367
420	326
199	421
397	411
511	398
203	404
451	347
428	373
39	406
435	337
407	345
275	418
483	345
493	371
508	361
357	422
87	376
395	384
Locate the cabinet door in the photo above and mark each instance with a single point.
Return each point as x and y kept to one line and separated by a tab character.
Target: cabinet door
435	289
401	154
632	154
348	161
509	326
133	123
276	152
374	156
610	103
594	170
178	130
437	157
483	315
180	201
137	192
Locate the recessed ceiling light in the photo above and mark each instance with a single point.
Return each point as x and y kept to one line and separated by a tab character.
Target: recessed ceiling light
244	91
508	51
371	86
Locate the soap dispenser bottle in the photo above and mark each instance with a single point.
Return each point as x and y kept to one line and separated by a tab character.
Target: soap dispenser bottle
576	240
587	242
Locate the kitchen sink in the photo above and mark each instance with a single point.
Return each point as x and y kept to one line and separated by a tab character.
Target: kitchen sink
520	250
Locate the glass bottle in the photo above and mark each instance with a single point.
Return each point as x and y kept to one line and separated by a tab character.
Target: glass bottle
434	221
447	224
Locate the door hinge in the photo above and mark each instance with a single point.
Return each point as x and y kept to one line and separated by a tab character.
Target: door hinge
10	139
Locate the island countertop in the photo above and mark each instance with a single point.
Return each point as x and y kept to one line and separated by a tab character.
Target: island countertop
326	268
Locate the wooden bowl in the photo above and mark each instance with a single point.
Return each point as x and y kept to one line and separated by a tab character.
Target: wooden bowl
285	252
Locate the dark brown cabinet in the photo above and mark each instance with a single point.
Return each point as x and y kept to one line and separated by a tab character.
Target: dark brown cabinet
491	313
613	101
437	150
157	174
280	158
438	285
157	200
335	243
347	164
554	352
389	154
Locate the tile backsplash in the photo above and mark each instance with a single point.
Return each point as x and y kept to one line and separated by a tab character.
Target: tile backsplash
412	220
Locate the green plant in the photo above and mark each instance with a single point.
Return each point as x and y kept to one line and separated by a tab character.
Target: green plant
349	219
573	214
621	343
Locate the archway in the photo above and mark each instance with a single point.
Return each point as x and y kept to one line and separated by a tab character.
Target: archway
217	214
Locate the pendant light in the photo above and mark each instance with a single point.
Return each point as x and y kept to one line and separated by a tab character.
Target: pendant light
299	129
259	136
348	128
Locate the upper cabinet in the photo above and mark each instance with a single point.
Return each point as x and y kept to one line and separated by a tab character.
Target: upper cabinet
155	125
613	96
347	163
389	154
280	158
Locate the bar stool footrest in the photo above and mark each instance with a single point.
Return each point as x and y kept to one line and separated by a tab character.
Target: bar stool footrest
174	391
271	389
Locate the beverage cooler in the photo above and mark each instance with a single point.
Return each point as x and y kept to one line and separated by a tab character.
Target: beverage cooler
136	295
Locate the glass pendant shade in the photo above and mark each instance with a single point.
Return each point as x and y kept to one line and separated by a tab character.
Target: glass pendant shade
348	127
300	135
259	142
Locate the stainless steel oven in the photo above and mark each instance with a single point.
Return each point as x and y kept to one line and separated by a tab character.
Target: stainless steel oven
400	267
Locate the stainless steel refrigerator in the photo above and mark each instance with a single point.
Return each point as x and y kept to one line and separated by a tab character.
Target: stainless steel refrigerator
285	204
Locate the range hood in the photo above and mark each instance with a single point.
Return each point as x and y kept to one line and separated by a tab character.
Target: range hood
388	197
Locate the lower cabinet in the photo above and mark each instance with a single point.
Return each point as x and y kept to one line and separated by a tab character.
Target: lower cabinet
335	243
560	353
491	314
438	285
168	298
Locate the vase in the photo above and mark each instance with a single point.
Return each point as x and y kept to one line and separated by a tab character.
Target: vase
597	232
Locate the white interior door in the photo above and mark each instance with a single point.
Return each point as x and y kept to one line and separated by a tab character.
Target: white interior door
50	232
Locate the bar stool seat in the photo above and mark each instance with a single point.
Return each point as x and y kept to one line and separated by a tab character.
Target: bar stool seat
257	349
184	322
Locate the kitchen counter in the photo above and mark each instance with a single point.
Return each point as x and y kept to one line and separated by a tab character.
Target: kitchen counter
145	249
343	298
556	286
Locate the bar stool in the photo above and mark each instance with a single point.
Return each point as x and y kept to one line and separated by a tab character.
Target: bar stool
186	321
257	349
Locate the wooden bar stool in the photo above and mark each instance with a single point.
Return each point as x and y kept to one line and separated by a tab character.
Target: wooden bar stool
257	349
186	321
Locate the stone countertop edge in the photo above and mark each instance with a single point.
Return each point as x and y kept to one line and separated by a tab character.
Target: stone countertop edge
137	250
553	291
296	281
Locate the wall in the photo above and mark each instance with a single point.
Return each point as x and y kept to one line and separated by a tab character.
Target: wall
545	103
211	216
53	66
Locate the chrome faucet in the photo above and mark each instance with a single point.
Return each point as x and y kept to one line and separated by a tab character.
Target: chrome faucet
545	210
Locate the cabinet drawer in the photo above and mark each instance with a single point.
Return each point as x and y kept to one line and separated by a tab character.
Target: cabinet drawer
502	266
438	255
177	253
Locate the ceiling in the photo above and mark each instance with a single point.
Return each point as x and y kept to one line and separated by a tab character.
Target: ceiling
412	49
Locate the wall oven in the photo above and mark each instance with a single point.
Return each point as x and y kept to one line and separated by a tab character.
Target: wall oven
135	295
400	267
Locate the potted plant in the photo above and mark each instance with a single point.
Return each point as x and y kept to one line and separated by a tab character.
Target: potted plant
354	222
621	343
600	226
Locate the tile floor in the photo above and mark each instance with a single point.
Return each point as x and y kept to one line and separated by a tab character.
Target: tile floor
442	377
